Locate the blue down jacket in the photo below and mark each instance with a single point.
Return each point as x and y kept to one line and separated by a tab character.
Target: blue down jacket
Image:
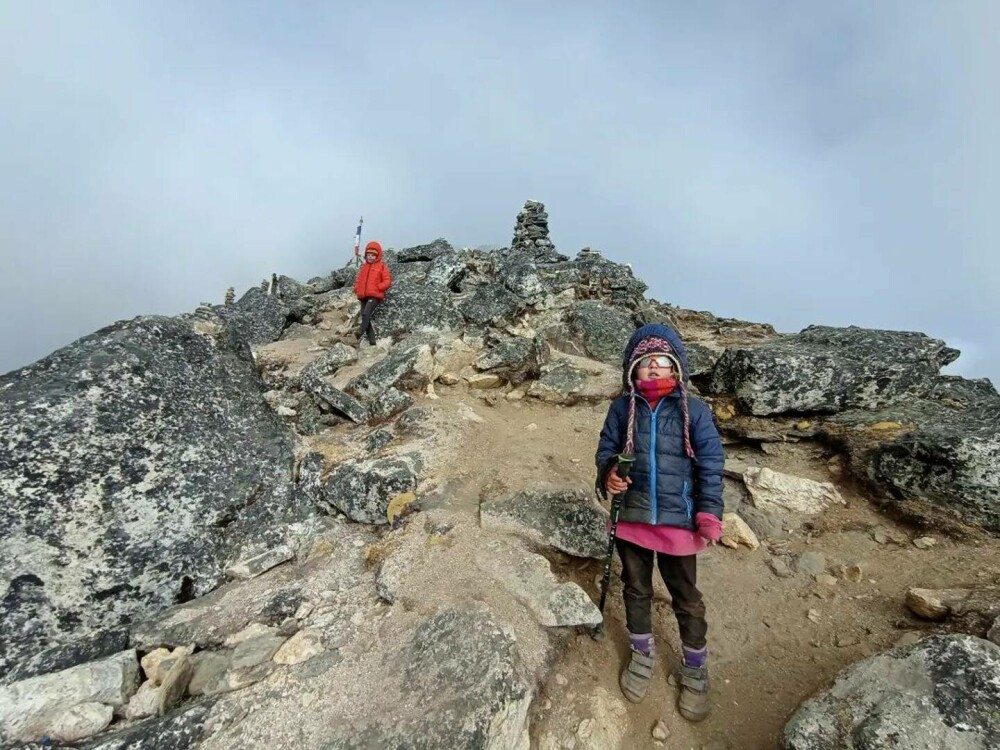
668	488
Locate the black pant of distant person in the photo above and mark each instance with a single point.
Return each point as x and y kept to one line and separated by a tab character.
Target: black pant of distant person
368	305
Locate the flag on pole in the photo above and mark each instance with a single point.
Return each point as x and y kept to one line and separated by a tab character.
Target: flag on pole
357	238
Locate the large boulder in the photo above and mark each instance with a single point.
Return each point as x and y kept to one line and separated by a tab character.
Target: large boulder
942	692
411	306
938	452
409	366
139	461
824	369
518	273
515	359
446	271
256	317
429	252
602	330
362	490
569	520
491	304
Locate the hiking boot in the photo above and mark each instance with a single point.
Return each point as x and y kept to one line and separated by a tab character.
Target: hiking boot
693	700
635	677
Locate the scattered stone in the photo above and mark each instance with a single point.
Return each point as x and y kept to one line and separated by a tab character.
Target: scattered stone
337	356
764	523
569	520
908	639
256	318
78	722
411	367
28	707
736	531
660	731
559	385
151	664
826	579
379	439
255	651
301	647
80	650
237	679
491	304
780	567
255	566
447	271
938	604
143	704
813	615
175	684
852	573
941	692
468	414
880	535
362	489
824	369
484	381
429	252
516	359
400	505
561	681
390	403
811	563
178	731
924	542
771	490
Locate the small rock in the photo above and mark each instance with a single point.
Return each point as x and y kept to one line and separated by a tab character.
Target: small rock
880	535
780	567
826	579
175	684
515	395
561	681
811	563
253	630
909	639
924	542
143	703
150	664
660	731
79	722
209	667
305	609
585	729
845	641
484	381
735	532
301	647
852	573
255	566
531	427
449	378
813	615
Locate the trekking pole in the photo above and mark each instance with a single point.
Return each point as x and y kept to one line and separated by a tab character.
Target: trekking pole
624	466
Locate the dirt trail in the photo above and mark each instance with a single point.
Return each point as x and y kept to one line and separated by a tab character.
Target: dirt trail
767	655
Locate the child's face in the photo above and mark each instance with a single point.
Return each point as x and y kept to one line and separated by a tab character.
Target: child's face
370	257
655	367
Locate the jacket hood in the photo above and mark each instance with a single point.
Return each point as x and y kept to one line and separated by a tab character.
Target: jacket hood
660	331
377	247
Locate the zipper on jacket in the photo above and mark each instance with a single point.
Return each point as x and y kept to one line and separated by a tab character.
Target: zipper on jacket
652	460
686	494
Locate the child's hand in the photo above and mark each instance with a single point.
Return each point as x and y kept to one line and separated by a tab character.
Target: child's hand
709	526
615	484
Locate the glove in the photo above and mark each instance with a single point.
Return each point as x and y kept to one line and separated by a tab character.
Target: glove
709	527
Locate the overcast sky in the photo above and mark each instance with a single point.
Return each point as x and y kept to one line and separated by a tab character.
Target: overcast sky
788	162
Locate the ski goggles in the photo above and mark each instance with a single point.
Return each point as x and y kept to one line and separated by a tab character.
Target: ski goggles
660	360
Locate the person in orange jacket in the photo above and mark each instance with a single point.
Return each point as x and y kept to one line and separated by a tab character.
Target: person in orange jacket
370	286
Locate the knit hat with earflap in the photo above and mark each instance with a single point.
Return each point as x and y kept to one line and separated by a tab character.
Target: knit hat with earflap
646	341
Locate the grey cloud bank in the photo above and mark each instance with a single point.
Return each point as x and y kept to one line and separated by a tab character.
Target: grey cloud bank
790	163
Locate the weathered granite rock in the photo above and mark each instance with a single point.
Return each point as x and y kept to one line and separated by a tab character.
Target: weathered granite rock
175	685
593	277
945	454
88	647
516	359
260	563
388	404
301	647
411	306
701	359
256	318
446	271
379	439
569	520
559	385
336	399
473	691
404	368
255	651
942	692
331	360
518	273
362	489
209	666
28	708
824	369
429	252
782	493
491	304
138	462
180	730
603	331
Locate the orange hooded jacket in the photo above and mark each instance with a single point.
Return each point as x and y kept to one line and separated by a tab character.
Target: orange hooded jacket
373	279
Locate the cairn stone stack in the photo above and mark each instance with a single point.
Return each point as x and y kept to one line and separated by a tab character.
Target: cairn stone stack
531	234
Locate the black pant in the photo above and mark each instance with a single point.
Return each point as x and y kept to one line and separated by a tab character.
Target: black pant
368	305
680	574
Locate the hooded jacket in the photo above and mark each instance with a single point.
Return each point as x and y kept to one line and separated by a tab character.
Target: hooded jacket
373	279
668	487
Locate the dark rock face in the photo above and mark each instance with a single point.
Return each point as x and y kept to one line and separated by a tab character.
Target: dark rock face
335	398
361	490
569	520
389	403
516	359
410	306
944	691
428	252
491	304
400	367
139	461
519	274
826	369
946	452
593	277
90	647
601	330
256	318
701	359
446	270
474	691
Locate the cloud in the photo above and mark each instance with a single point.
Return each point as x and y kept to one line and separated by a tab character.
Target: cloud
806	163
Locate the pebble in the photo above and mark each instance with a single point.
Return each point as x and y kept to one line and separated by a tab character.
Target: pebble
880	535
585	729
826	580
660	731
561	681
852	573
843	641
813	615
924	542
531	427
780	567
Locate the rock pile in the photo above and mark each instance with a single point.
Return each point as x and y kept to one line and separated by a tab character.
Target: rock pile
531	234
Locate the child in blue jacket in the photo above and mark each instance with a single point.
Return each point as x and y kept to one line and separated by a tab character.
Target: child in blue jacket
672	506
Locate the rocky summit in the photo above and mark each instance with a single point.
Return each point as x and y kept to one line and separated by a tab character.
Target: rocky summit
241	527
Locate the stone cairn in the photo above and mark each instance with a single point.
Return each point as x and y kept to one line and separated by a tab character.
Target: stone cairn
531	234
230	297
